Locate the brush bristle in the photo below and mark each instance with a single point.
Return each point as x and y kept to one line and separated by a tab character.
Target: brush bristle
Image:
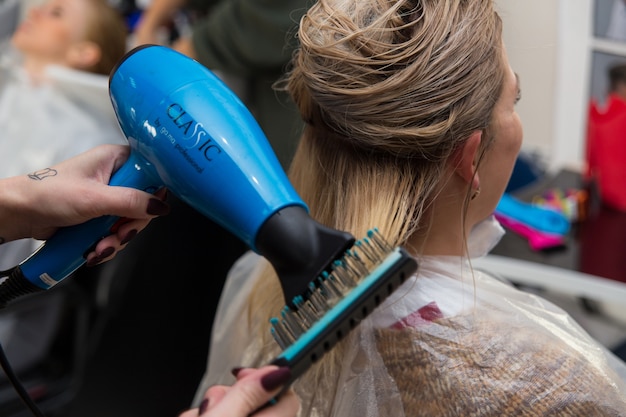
330	287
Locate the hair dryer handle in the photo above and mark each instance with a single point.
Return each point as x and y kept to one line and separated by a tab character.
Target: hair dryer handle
64	252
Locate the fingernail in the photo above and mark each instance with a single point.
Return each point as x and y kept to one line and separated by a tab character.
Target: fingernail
129	236
100	257
203	406
93	261
106	252
235	371
157	207
275	379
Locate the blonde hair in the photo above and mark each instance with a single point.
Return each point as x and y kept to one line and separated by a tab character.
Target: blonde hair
389	90
109	31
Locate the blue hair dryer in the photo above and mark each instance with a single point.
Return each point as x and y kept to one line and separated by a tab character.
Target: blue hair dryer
190	133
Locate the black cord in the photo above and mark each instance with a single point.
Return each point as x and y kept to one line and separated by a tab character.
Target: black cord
8	370
6	366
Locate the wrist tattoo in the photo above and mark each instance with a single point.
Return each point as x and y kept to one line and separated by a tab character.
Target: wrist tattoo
43	173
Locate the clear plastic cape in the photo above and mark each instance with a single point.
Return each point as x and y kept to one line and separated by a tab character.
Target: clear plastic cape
451	341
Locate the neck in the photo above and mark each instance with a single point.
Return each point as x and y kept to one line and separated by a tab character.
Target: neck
447	231
35	67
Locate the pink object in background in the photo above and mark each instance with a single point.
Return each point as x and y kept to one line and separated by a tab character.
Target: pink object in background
536	239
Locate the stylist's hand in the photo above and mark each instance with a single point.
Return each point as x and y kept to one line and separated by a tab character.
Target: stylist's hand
72	192
253	389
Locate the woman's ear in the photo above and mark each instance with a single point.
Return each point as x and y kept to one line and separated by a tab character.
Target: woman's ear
466	159
83	55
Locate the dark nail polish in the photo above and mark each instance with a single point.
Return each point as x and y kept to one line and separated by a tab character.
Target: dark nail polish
203	406
275	379
93	261
129	236
106	252
99	258
235	371
89	250
157	207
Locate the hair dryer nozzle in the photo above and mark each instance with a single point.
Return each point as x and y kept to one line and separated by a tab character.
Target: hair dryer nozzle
300	249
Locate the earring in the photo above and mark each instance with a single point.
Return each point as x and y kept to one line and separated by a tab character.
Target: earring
476	193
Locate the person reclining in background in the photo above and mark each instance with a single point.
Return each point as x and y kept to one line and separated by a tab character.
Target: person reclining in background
412	128
54	104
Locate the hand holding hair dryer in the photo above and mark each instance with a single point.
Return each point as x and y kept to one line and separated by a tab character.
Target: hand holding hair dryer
190	133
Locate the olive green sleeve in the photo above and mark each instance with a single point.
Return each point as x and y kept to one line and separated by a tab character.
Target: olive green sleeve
248	37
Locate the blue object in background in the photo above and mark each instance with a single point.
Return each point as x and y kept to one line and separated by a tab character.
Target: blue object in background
539	218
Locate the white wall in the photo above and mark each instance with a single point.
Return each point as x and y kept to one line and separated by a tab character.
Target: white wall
574	78
531	41
548	46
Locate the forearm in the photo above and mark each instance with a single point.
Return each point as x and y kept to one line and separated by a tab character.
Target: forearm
14	208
